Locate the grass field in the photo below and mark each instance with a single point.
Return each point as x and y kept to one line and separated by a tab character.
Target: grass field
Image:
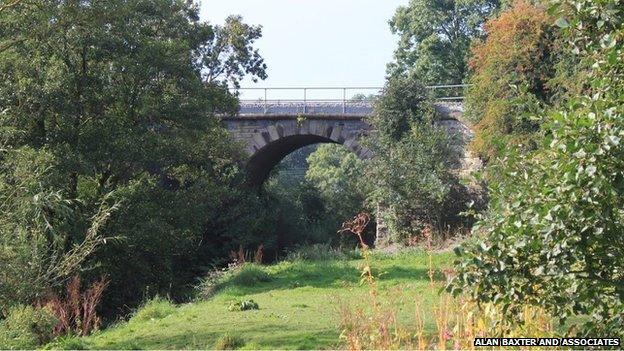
299	303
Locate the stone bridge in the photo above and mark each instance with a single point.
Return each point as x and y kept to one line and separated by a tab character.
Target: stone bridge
272	129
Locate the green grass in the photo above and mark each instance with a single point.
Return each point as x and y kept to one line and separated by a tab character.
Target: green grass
298	307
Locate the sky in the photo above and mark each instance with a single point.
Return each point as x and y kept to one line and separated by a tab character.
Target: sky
316	43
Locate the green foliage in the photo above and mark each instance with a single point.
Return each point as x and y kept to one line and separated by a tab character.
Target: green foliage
106	102
519	70
228	342
338	174
156	308
26	327
318	252
435	37
403	103
299	213
553	235
247	275
234	40
36	249
411	173
243	305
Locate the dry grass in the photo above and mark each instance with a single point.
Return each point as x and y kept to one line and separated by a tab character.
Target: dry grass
458	321
242	256
76	311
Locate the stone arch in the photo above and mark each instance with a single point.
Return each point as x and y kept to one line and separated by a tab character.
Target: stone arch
268	145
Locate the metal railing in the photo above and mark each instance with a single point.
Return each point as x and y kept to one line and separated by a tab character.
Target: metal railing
344	96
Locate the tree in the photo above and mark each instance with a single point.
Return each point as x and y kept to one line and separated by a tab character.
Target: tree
230	54
553	234
411	171
119	98
435	38
338	174
517	71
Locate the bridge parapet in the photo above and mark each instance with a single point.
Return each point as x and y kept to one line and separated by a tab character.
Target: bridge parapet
334	101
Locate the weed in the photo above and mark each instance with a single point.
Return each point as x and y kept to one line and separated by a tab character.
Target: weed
242	256
457	320
228	342
76	311
244	305
26	327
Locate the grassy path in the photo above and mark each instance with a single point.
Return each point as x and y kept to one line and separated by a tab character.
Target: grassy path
299	306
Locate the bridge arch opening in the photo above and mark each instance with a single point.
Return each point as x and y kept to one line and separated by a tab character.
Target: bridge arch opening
274	143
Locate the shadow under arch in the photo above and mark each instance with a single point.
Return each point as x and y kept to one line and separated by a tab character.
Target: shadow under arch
277	141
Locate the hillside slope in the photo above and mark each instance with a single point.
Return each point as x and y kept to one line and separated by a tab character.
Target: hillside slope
299	306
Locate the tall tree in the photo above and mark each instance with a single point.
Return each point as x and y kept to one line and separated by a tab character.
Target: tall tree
435	37
413	160
519	69
118	99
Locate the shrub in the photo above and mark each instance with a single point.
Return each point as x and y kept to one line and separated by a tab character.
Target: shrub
553	235
413	169
228	342
26	327
34	227
156	308
76	311
517	71
243	305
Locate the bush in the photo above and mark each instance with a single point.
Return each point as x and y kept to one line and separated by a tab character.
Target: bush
34	227
228	342
517	71
156	308
553	235
244	305
414	159
27	327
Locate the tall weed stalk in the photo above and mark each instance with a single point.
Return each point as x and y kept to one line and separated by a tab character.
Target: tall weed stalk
77	311
458	321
